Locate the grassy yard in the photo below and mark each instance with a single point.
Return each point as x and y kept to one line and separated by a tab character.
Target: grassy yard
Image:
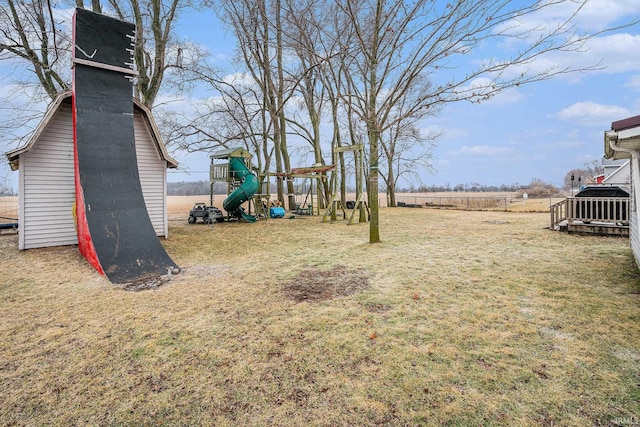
456	318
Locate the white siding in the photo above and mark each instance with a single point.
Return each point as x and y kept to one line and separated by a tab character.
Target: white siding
634	232
152	170
48	188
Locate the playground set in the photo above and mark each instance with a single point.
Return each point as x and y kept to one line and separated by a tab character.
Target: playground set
335	202
233	166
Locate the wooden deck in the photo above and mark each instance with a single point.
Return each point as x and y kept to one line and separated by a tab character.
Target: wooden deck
605	216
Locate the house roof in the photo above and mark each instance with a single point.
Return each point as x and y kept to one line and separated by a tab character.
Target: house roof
65	97
628	123
624	135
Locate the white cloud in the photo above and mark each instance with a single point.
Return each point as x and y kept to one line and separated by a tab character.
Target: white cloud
633	82
447	133
617	51
480	150
610	54
239	79
177	104
220	57
429	130
594	15
589	113
507	96
603	13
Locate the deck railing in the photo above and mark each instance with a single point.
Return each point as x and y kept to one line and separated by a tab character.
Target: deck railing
611	210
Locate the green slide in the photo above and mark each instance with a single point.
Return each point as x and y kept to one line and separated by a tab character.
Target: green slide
248	187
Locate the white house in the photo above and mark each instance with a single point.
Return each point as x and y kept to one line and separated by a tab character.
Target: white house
623	142
46	176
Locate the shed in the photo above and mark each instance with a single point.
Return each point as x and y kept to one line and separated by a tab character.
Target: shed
46	176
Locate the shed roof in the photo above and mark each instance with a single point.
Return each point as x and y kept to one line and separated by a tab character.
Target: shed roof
65	97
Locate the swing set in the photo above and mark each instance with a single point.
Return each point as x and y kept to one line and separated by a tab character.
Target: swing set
335	202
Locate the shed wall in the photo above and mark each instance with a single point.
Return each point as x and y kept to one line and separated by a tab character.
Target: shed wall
152	170
47	188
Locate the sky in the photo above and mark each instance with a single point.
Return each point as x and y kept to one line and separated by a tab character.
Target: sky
537	131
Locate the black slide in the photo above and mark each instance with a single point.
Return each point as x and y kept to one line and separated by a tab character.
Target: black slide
115	233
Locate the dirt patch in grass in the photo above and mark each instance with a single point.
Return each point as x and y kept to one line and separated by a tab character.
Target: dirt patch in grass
317	285
147	283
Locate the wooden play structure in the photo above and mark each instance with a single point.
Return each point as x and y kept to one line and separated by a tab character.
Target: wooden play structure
335	202
233	166
308	203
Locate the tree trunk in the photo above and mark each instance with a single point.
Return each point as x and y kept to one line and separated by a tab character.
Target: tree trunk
280	104
391	186
278	153
374	130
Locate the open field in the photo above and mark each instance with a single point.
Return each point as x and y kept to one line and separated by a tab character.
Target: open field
456	318
499	201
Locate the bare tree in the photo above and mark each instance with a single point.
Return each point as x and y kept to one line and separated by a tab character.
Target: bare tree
582	176
406	151
304	40
156	49
398	42
35	50
35	42
35	36
594	168
234	116
258	29
32	37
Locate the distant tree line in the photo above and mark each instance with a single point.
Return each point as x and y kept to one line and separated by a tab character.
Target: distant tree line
536	188
5	190
473	188
194	188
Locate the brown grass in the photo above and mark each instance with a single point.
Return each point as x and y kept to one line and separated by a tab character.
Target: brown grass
456	318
